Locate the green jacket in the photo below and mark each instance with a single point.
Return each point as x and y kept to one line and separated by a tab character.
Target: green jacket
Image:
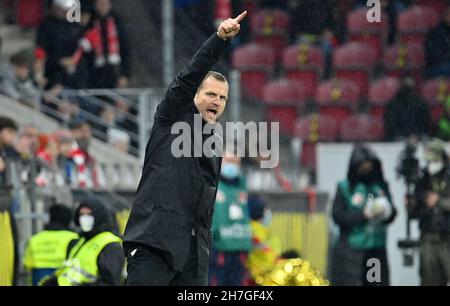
231	223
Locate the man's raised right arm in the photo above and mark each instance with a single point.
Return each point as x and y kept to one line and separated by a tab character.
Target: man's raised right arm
185	85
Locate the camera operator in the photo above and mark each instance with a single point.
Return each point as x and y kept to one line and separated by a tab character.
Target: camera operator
432	208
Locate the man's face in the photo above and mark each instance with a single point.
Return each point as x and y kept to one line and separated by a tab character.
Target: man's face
103	7
211	99
22	72
83	132
86	211
7	137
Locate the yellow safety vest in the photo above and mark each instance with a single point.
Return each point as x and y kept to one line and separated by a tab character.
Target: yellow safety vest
48	249
81	265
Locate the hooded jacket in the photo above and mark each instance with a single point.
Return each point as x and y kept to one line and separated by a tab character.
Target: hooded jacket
111	260
348	262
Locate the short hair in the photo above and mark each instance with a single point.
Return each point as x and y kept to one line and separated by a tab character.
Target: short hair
216	75
21	59
7	123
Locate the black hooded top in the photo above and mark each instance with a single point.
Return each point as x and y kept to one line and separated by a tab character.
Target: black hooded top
347	219
111	259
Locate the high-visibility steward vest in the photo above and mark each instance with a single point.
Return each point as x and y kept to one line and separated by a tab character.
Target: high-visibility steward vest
48	249
81	265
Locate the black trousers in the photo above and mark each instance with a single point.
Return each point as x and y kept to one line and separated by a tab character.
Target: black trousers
149	267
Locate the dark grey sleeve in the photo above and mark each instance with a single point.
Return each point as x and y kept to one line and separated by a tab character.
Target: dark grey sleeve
110	264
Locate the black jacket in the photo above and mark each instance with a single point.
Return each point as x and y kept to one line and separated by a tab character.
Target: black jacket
405	115
437	46
436	219
348	264
176	195
110	260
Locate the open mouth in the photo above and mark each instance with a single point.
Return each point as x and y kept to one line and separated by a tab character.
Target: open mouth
212	112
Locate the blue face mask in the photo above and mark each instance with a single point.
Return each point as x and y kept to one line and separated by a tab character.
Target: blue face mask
230	171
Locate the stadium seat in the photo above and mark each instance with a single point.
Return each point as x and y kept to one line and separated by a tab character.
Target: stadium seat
30	13
413	23
316	128
372	33
283	99
337	98
271	27
355	62
438	6
404	57
381	92
255	62
304	63
285	115
361	128
311	130
435	93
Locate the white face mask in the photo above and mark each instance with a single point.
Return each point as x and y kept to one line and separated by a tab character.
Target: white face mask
86	223
435	167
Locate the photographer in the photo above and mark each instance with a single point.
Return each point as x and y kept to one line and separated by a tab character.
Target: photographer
432	208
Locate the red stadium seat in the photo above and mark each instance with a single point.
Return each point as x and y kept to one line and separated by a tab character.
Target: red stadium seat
30	13
283	98
271	27
312	129
304	63
413	23
255	62
355	62
284	92
381	92
372	33
436	91
438	6
399	58
285	115
316	128
337	98
362	128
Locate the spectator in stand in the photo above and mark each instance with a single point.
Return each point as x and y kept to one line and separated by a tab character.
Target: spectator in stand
437	49
8	243
119	139
58	38
16	81
407	114
27	142
65	161
443	130
107	47
85	165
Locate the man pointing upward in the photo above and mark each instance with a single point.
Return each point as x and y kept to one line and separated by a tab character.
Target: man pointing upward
167	238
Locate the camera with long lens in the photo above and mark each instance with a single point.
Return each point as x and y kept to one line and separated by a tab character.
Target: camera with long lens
409	170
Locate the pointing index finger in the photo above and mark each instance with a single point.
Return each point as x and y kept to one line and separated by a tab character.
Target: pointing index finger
239	18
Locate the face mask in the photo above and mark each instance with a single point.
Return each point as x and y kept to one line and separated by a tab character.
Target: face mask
435	167
86	223
365	177
267	219
230	171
